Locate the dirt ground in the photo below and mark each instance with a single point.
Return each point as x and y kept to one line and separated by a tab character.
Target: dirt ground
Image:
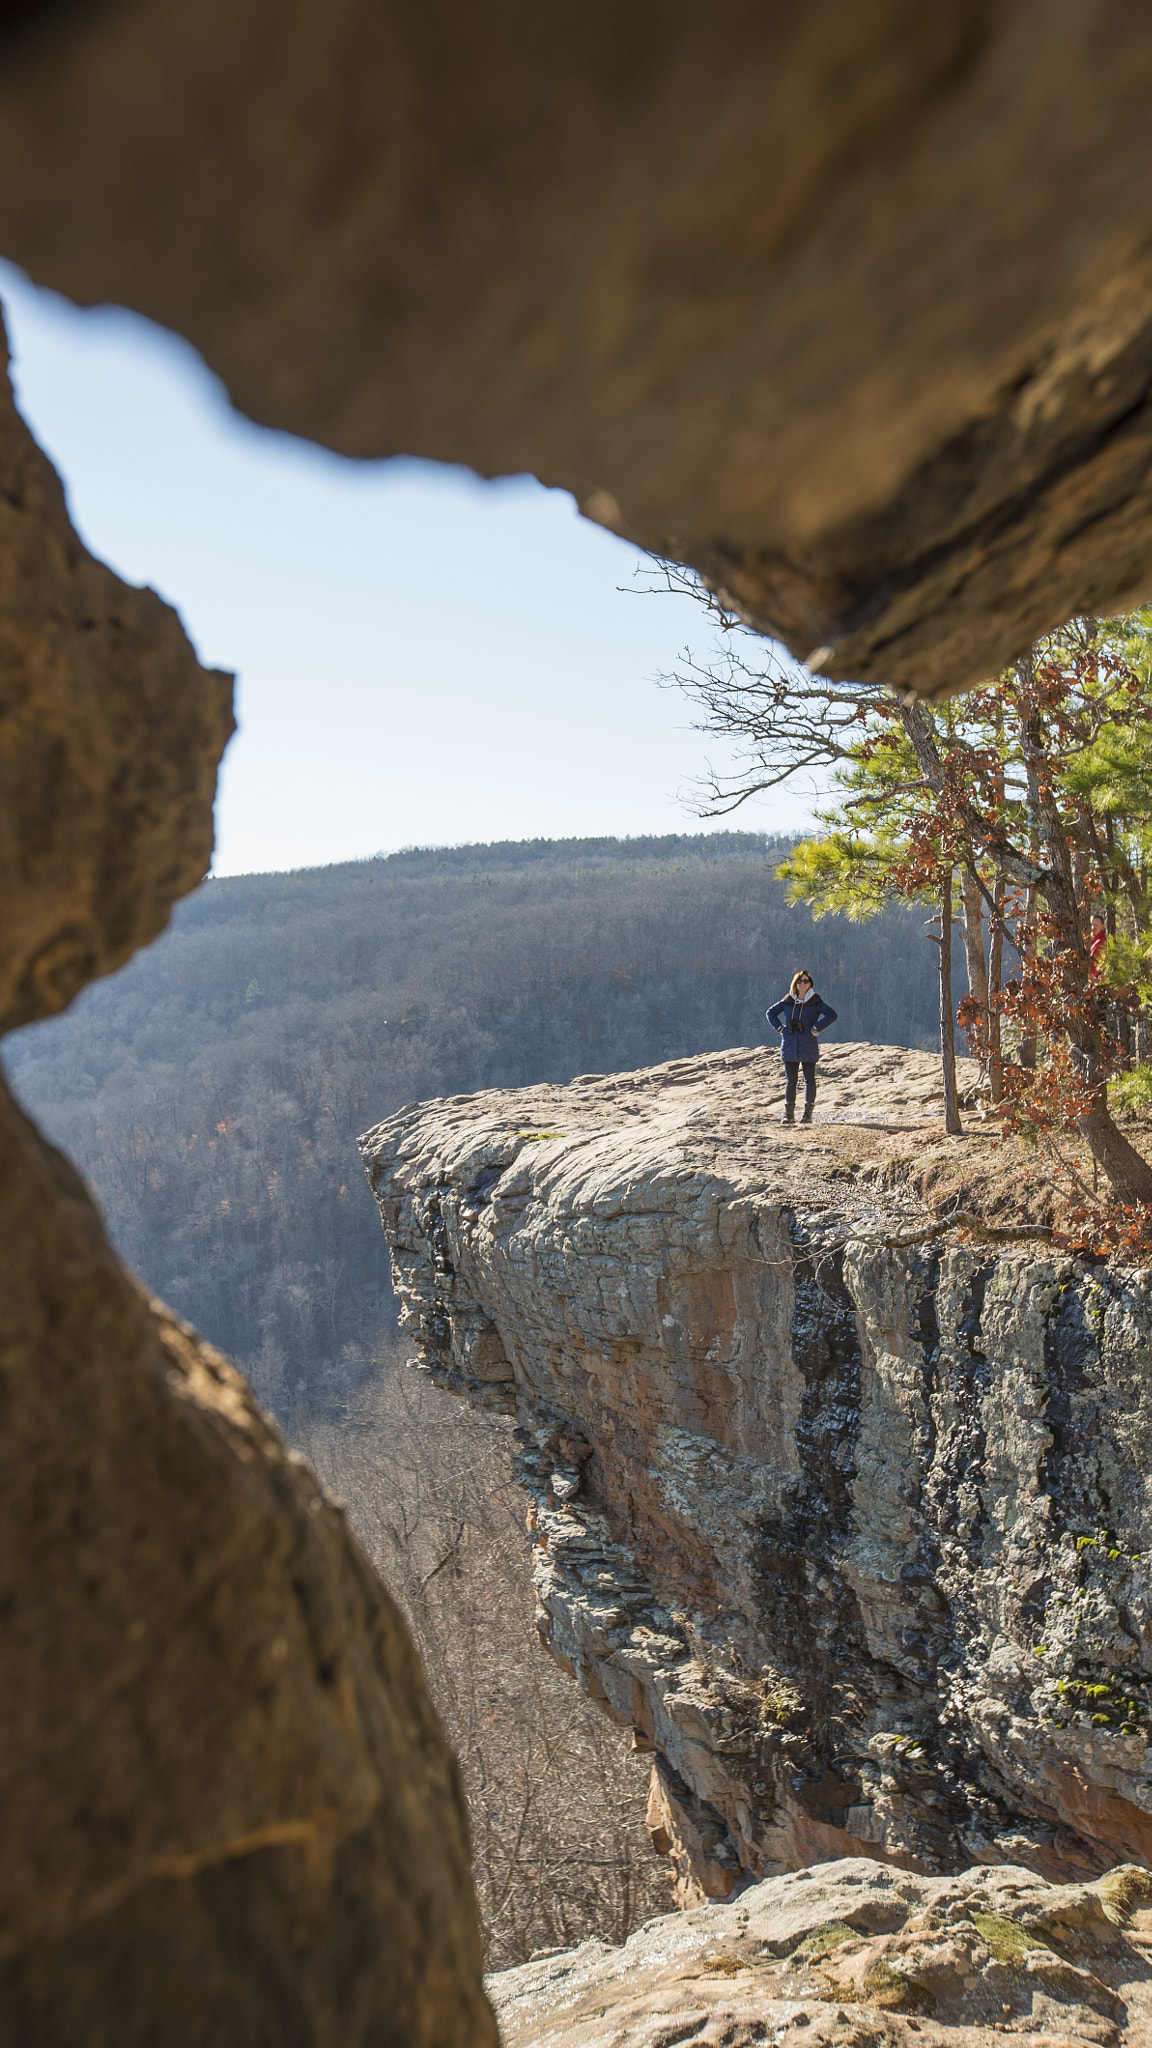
997	1177
903	1150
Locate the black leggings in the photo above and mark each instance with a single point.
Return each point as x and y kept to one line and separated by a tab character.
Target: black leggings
792	1072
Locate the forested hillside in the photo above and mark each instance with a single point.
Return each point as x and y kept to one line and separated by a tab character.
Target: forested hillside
213	1091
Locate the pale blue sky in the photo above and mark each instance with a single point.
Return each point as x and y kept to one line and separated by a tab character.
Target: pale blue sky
422	658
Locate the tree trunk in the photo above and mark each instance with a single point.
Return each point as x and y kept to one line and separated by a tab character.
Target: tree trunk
952	1123
1142	1025
1026	942
1113	879
995	981
1129	1173
1126	1168
974	943
1027	950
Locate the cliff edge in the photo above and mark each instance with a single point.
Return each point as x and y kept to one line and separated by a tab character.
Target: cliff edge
851	1533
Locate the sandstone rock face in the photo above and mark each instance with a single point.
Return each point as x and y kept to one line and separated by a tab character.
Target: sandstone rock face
850	307
850	1956
110	736
856	1538
229	1814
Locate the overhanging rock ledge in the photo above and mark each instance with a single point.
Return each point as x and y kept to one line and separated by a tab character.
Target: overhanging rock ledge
848	307
853	1537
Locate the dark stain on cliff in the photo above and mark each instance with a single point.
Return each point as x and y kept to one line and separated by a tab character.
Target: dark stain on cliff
793	1591
826	1349
962	1379
925	1637
927	1331
1071	1468
437	1233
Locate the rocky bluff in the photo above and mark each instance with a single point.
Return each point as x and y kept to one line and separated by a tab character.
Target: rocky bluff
854	1535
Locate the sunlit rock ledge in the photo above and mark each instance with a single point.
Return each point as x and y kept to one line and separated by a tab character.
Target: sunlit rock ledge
851	1955
852	1536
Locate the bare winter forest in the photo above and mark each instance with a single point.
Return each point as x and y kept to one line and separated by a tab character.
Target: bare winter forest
555	1794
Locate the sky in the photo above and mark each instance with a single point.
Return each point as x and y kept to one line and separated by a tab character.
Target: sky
422	658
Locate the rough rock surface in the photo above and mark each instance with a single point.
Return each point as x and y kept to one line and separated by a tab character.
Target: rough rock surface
849	306
110	736
229	1814
850	1956
855	1537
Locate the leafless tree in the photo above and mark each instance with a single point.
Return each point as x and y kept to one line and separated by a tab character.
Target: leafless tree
784	719
556	1797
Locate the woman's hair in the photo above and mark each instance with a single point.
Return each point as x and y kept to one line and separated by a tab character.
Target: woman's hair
801	974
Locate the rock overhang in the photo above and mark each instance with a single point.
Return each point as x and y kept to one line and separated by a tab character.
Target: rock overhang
850	310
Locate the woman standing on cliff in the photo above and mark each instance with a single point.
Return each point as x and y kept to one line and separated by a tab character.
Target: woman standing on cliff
799	1017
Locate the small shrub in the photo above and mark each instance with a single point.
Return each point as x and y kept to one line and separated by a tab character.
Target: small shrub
892	1991
823	1940
1122	1890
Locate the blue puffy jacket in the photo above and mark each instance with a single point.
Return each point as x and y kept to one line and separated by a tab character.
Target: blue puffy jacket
796	1021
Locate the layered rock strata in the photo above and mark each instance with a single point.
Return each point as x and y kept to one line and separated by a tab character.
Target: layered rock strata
849	307
854	1537
851	1956
229	1814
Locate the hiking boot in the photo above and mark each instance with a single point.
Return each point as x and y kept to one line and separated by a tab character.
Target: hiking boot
806	1118
788	1117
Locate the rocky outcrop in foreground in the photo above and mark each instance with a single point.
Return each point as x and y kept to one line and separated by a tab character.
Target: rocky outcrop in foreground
229	1813
851	1956
853	1536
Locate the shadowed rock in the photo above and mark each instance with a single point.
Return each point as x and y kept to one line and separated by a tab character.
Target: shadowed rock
229	1813
850	307
110	733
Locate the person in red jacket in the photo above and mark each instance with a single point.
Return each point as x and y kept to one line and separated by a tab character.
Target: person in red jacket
1097	944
